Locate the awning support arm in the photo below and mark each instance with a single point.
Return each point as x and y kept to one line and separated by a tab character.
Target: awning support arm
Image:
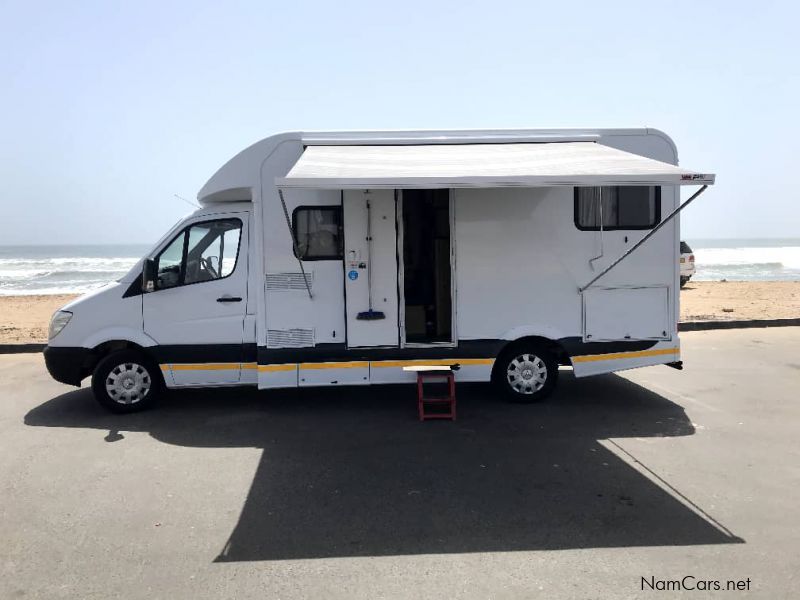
295	245
644	239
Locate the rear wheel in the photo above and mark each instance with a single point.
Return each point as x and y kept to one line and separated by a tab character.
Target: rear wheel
526	372
125	382
684	280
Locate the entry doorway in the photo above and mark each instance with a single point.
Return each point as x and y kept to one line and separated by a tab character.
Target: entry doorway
425	245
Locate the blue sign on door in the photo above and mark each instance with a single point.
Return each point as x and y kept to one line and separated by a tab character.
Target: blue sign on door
352	275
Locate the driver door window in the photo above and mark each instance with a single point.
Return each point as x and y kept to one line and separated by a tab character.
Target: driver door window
203	252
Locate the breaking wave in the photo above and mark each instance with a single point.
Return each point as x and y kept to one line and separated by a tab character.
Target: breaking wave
37	274
747	263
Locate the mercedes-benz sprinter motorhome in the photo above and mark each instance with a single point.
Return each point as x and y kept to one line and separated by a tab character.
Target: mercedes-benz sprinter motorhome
323	259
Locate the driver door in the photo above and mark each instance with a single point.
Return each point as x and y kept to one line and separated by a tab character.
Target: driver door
196	313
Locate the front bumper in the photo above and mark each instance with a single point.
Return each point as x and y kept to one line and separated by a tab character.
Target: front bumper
68	365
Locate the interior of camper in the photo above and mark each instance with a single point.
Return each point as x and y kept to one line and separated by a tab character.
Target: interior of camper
427	270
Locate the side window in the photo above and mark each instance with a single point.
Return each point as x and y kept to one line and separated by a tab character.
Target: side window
623	207
202	252
169	263
318	231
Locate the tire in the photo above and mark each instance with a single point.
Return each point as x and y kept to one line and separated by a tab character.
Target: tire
126	381
684	280
526	373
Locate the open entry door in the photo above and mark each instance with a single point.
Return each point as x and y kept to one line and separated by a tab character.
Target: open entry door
370	268
427	267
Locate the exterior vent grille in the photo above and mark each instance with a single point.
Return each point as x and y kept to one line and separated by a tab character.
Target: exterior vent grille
290	338
277	282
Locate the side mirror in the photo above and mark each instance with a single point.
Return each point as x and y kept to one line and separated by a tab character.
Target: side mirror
149	276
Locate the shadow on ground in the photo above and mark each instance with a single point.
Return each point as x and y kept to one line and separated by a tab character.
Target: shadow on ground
351	472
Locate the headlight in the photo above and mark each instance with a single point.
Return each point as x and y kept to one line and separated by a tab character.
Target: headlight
58	321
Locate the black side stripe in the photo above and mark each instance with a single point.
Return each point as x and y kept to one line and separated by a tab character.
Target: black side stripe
488	348
202	353
575	346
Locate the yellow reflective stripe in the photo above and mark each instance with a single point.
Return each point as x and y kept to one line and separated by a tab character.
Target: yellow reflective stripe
274	368
433	362
397	363
334	365
619	355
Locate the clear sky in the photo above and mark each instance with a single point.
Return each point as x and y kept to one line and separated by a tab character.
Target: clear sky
109	108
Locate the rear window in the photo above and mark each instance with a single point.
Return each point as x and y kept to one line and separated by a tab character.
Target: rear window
617	207
685	249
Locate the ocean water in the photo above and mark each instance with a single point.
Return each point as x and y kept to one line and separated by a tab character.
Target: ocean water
746	259
26	270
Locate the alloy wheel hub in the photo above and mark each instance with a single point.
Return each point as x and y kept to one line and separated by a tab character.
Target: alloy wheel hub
128	383
526	374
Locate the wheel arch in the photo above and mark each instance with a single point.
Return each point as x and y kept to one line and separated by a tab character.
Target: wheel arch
553	346
103	349
119	334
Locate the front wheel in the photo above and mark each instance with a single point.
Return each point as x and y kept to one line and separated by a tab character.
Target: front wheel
526	373
125	382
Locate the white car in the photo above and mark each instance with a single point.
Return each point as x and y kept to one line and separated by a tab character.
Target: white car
687	263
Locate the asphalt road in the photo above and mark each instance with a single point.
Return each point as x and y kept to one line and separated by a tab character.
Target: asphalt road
341	493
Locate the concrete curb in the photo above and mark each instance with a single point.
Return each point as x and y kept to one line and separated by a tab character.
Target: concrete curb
21	348
707	325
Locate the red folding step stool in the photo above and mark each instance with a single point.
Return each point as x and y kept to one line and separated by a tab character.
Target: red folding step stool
435	374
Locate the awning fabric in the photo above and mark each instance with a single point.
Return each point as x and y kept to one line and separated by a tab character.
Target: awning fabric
480	165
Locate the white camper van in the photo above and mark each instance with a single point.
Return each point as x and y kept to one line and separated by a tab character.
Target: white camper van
322	259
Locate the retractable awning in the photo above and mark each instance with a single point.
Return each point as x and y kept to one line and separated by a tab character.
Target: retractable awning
541	164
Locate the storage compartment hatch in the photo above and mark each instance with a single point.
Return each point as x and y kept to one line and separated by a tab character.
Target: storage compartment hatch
626	313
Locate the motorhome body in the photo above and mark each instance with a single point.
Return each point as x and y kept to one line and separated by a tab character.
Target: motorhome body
340	258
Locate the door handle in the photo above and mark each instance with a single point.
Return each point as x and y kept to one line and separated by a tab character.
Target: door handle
229	299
